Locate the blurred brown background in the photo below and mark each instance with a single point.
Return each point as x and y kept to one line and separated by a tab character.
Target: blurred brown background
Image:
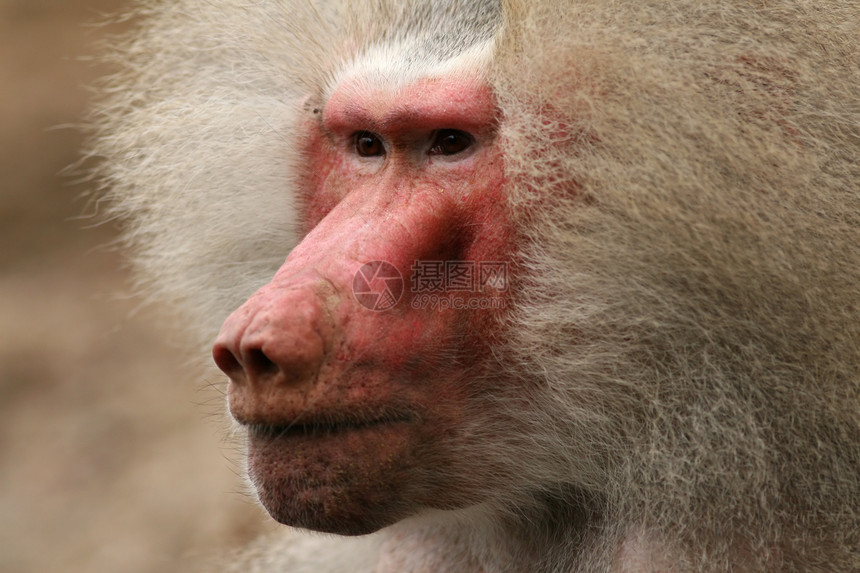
113	451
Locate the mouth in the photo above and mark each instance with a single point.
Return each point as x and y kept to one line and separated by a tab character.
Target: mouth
308	425
314	428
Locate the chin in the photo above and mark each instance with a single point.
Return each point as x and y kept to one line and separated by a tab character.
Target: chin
335	479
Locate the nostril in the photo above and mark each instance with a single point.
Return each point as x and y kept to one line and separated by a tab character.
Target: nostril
253	363
258	364
227	361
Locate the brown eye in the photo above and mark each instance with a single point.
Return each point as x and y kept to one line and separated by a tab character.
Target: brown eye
368	144
450	142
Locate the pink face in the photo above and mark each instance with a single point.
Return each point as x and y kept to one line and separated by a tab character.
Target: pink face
353	413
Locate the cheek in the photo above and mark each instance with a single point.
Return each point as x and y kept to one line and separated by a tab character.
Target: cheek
490	213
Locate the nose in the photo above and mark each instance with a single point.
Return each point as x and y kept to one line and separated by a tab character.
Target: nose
276	341
308	319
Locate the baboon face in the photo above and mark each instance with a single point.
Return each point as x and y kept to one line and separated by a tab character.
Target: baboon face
354	386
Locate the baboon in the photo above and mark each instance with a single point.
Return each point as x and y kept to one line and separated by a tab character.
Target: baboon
522	286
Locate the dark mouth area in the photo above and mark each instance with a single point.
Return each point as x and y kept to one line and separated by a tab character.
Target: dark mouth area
316	428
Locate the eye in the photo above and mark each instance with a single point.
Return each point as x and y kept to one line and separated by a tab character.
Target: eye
368	144
450	142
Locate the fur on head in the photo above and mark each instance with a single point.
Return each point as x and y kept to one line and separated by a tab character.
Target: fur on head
696	262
